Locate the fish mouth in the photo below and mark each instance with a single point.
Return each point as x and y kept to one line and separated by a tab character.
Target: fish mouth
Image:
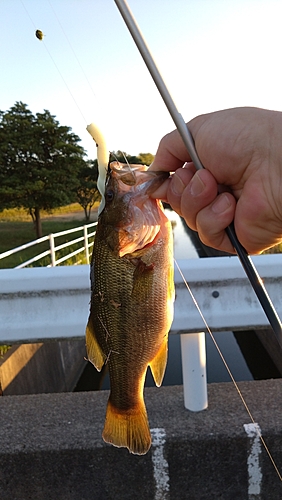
138	218
135	175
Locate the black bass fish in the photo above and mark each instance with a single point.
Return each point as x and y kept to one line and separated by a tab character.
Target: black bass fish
132	295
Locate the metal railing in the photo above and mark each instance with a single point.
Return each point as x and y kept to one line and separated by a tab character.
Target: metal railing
53	248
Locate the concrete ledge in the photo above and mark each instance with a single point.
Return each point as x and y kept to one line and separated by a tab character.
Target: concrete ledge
51	447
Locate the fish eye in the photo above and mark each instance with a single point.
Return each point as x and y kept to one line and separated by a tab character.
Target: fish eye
109	195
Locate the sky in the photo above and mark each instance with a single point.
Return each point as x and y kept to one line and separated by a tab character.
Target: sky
212	54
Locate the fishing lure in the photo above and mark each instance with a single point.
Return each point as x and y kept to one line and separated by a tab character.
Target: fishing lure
103	160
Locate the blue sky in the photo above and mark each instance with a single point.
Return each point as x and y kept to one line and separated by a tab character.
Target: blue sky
213	54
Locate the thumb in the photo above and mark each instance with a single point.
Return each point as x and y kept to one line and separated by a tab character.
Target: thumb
171	153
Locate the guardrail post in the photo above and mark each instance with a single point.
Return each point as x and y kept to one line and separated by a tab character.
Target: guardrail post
85	232
52	250
193	355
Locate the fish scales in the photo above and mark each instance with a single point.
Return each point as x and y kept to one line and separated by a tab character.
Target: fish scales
131	303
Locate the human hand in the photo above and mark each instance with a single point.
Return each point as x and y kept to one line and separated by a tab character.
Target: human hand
241	150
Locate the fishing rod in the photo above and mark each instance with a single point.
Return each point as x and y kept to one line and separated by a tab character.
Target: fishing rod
247	263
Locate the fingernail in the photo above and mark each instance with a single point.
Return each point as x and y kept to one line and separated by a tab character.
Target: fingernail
221	204
196	186
177	185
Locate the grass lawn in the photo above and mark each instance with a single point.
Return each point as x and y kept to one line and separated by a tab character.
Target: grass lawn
16	228
19	214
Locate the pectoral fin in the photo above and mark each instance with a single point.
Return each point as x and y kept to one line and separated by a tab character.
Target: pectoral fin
158	364
94	351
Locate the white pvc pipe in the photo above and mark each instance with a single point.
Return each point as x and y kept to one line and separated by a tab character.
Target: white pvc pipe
193	354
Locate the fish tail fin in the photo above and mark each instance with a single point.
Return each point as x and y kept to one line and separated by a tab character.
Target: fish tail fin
128	428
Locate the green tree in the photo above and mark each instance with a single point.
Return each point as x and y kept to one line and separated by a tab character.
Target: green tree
87	193
141	159
123	157
39	162
146	158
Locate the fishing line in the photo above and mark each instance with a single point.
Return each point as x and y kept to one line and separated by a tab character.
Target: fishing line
72	49
189	143
229	371
70	92
128	164
56	66
184	280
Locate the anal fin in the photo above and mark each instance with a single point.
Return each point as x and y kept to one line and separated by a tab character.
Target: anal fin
94	351
158	364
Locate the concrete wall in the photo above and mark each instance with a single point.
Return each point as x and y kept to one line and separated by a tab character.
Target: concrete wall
42	367
51	447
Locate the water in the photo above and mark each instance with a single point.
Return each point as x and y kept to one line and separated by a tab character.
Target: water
228	342
183	248
216	371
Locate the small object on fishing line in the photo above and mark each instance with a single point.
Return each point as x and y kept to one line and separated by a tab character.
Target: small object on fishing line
39	34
